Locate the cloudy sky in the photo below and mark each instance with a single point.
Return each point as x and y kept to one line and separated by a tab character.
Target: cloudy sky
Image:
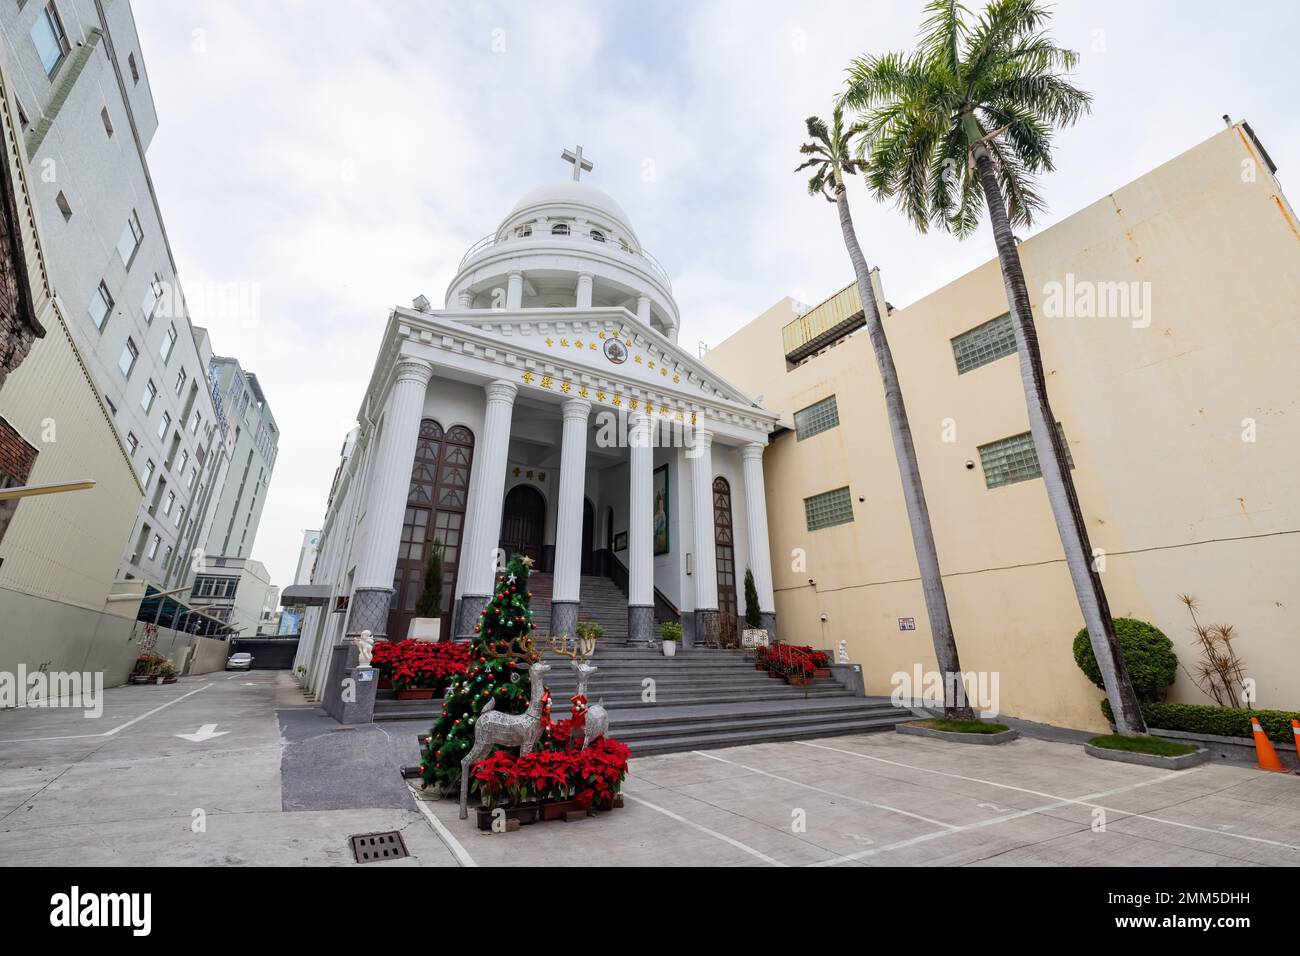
342	156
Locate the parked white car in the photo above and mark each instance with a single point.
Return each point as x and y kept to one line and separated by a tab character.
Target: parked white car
243	661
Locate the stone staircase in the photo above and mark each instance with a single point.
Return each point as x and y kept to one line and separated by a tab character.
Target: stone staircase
602	602
701	698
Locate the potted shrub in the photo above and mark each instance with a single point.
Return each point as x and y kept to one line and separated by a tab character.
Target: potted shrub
147	669
589	631
754	634
427	623
671	632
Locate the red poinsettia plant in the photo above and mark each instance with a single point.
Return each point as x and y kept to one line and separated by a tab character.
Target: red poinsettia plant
419	664
792	660
596	773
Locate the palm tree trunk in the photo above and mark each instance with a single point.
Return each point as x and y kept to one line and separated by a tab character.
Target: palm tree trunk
955	704
1050	448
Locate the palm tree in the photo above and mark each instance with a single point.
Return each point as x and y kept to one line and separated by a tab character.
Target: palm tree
830	158
963	122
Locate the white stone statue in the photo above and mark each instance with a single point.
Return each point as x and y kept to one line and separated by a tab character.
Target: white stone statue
364	644
843	656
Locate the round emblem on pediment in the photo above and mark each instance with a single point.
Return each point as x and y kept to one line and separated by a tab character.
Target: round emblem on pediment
615	351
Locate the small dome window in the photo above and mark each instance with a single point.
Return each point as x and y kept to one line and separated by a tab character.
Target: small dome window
560	229
597	235
523	232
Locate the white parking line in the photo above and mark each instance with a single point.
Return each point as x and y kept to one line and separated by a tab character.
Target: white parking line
1079	801
119	727
829	793
703	829
452	844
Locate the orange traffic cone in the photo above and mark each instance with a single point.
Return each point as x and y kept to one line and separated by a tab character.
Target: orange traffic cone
1268	759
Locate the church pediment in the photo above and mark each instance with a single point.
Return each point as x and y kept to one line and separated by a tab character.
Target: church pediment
601	354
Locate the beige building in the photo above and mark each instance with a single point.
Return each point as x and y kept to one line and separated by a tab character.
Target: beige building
1170	333
59	553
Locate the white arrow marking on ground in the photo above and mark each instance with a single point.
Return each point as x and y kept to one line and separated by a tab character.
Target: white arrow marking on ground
206	732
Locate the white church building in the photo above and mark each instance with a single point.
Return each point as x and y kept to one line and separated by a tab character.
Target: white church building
548	410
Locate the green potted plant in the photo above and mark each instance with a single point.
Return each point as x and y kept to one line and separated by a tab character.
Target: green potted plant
671	632
589	631
754	635
427	623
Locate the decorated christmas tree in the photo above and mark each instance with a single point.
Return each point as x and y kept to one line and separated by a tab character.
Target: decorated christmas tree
493	674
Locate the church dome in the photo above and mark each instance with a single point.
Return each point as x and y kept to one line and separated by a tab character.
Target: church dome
570	196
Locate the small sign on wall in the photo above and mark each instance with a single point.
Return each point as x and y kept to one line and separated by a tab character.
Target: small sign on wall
907	624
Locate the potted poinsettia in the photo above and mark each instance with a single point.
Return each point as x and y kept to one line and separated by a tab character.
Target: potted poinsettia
427	623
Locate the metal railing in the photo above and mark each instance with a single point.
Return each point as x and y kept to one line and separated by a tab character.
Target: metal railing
494	239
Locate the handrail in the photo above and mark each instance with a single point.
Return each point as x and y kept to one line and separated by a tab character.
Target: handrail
494	239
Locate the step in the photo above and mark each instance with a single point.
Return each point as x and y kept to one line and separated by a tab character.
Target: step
741	738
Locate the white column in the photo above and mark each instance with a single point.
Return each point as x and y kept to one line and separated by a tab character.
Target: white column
706	567
486	493
465	298
385	497
643	310
584	290
568	517
640	530
514	290
760	553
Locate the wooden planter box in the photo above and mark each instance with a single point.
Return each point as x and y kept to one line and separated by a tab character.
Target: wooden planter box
798	681
416	693
822	672
556	809
525	813
609	803
140	679
759	665
385	683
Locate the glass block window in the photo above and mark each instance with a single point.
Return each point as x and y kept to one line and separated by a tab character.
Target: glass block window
816	418
828	509
1013	459
984	343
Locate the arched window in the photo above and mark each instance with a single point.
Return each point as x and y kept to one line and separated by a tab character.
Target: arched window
523	232
597	235
435	511
560	229
724	542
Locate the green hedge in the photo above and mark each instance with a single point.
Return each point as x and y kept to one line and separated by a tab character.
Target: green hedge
1220	721
1148	653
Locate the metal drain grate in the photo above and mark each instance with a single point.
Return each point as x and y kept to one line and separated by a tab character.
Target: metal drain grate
375	847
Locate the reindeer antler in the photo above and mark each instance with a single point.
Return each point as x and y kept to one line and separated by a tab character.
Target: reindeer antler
529	653
561	645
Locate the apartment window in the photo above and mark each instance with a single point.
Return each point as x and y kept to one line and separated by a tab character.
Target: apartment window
132	443
1013	459
180	515
108	123
167	556
168	343
169	502
23	121
185	460
154	544
597	235
149	394
64	206
164	424
147	476
135	70
112	409
816	418
984	344
50	38
828	509
132	236
101	304
189	480
194	422
126	362
181	376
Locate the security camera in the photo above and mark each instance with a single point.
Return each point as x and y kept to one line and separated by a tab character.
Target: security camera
970	465
823	618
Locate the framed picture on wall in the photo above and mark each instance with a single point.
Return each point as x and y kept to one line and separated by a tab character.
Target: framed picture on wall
660	509
620	541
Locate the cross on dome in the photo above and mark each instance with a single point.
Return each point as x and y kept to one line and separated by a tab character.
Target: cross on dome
580	165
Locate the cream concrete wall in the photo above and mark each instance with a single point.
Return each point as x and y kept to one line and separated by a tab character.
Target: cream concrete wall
1154	419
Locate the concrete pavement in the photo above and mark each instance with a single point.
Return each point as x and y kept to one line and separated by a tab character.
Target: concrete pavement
282	784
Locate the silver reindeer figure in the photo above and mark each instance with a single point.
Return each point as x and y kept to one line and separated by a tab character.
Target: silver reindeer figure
495	729
596	723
